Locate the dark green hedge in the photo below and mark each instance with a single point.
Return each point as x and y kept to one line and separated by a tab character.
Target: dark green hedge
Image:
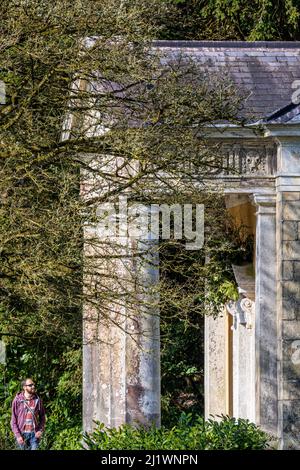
189	434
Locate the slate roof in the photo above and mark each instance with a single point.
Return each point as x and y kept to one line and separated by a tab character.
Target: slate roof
264	69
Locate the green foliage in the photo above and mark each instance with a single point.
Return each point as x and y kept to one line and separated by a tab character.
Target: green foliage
7	391
58	378
46	279
68	439
197	283
258	20
227	244
189	434
64	408
182	361
42	216
43	212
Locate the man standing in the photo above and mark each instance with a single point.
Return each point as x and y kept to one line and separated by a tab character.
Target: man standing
28	417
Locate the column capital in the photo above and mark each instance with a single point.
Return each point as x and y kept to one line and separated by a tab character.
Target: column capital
265	203
243	311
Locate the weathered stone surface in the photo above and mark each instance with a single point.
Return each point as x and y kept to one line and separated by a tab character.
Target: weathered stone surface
289	230
265	313
291	389
297	311
291	196
287	270
291	329
268	406
297	271
289	164
291	210
288	310
291	250
291	291
121	357
290	438
291	370
215	365
243	367
291	351
291	424
289	256
253	159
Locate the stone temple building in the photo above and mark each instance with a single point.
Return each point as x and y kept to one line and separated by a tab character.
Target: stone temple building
252	351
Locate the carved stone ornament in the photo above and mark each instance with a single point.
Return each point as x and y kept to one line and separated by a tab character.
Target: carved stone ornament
249	160
242	311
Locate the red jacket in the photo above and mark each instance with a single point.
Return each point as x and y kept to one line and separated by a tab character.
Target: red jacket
19	411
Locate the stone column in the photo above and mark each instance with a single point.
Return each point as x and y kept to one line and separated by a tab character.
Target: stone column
266	398
121	350
243	366
215	365
143	349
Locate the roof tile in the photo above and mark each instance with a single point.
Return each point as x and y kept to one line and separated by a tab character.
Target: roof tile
267	69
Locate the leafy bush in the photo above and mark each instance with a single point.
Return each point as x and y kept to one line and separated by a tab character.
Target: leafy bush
63	426
68	439
182	372
189	434
58	377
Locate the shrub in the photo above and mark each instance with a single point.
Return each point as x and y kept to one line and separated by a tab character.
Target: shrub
189	434
68	439
58	375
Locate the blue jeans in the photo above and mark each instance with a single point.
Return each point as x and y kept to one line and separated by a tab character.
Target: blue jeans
30	441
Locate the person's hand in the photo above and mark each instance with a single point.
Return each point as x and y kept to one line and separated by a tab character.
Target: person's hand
20	440
38	434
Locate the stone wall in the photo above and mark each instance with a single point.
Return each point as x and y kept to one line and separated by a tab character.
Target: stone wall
289	308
